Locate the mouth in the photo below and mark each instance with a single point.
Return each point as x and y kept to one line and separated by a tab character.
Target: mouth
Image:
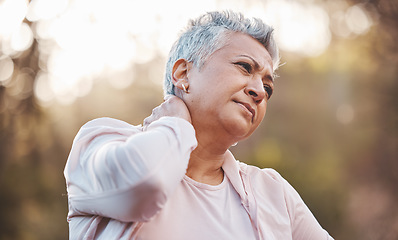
248	108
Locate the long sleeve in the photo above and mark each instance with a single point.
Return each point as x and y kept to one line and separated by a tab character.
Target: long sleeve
304	224
116	170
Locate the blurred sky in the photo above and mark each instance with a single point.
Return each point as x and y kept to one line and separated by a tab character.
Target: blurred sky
82	40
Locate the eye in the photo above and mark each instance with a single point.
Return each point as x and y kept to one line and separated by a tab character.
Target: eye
268	90
245	66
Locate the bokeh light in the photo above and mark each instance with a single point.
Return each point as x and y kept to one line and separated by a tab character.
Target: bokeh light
345	114
6	69
301	28
351	21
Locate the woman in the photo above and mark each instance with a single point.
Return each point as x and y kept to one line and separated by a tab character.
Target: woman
174	177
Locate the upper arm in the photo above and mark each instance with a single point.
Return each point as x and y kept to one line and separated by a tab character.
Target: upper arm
304	224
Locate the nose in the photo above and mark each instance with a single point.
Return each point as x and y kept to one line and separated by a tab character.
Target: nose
255	89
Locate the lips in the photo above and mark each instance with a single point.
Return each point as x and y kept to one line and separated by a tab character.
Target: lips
248	107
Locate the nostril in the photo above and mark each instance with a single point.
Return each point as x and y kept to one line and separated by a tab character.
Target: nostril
253	93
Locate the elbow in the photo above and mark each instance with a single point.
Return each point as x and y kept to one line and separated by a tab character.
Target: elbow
146	200
137	204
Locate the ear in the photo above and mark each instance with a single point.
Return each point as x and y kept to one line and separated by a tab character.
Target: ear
180	73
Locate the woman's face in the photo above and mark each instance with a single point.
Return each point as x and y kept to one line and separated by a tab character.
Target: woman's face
228	95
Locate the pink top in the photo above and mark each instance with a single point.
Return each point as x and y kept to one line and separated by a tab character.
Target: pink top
127	183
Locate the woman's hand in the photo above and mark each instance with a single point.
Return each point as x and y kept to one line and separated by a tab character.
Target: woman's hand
172	106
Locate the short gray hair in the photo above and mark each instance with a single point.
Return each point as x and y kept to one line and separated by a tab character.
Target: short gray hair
207	33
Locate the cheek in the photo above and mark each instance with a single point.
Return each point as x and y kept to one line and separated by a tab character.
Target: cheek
260	116
261	113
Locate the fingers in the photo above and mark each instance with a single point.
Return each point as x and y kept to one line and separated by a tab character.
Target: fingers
148	120
172	106
153	117
168	96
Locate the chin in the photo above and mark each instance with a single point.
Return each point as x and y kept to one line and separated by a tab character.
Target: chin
240	130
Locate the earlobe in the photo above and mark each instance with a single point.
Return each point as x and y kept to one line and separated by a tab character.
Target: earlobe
184	88
180	74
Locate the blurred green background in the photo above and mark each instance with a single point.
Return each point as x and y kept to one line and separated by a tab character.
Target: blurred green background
330	129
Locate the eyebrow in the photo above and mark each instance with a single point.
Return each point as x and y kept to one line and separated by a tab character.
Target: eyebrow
257	66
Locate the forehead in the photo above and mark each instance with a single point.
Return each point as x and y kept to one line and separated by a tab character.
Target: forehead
238	44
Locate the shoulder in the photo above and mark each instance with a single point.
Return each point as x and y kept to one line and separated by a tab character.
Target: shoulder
105	125
261	173
268	179
101	130
107	122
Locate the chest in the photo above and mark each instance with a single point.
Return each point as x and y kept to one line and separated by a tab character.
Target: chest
197	211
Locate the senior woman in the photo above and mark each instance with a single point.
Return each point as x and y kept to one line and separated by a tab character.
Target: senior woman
174	177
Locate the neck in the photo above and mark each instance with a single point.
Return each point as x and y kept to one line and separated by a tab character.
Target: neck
205	163
206	166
